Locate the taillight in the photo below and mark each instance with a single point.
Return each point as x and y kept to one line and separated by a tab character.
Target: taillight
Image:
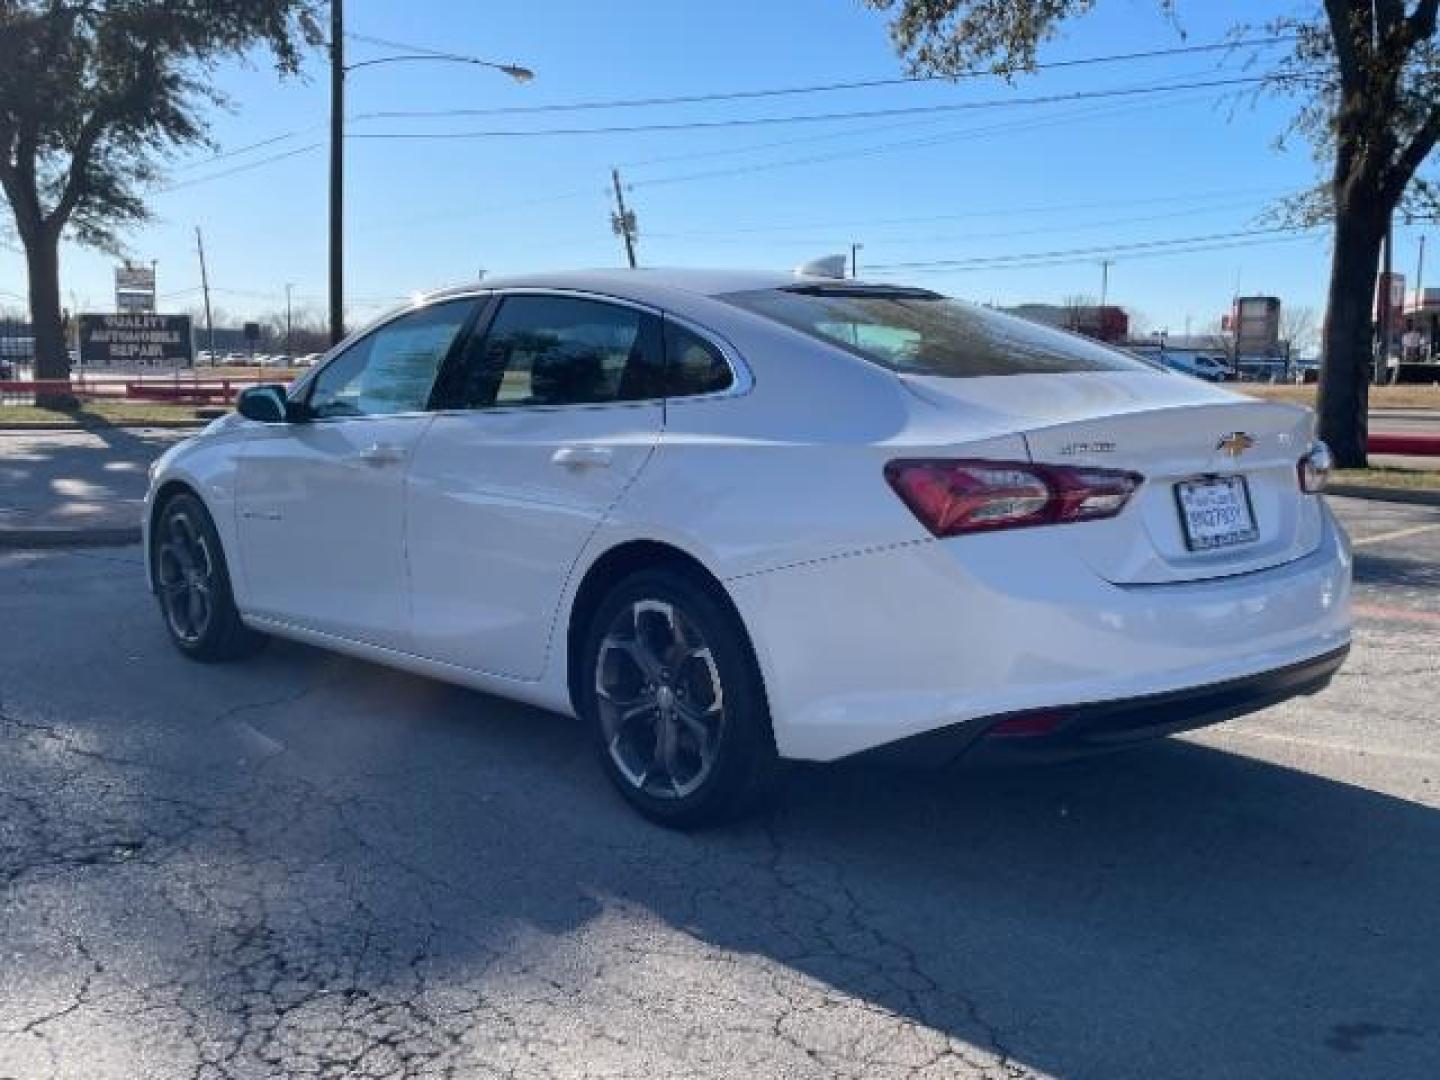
953	497
1314	468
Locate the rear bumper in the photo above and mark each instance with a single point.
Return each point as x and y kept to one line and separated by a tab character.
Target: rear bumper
873	649
1065	732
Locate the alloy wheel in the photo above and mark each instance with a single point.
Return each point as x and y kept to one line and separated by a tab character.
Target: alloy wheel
661	703
185	573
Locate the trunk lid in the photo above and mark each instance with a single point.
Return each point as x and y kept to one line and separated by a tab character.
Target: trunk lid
1170	429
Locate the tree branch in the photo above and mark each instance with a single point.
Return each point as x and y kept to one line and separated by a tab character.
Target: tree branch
90	133
1413	156
1422	23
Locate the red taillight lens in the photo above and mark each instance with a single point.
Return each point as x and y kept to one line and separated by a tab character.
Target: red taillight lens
953	497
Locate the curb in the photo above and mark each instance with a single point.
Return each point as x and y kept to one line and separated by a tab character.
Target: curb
175	425
1381	442
69	537
1385	494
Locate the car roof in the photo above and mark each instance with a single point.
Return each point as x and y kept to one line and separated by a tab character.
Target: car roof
652	285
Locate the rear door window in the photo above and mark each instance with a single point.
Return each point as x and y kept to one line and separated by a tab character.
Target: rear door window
546	351
918	332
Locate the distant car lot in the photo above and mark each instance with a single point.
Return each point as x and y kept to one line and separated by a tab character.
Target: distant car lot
318	861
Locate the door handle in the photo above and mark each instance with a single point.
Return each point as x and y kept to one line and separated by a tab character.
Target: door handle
582	457
382	454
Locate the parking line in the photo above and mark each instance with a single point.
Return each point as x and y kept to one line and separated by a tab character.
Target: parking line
1379	611
1380	538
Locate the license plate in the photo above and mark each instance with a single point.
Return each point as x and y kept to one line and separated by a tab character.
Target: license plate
1215	512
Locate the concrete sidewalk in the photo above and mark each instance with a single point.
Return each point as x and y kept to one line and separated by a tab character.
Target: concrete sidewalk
70	488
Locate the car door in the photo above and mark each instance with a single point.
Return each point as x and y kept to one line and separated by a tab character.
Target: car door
320	501
546	416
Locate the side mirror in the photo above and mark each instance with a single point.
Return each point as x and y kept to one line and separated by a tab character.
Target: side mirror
266	404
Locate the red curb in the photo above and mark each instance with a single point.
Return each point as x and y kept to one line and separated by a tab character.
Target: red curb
1394	443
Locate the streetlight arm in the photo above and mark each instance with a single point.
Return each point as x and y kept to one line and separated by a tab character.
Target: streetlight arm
515	71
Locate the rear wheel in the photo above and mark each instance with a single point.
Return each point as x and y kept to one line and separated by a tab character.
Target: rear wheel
676	702
192	584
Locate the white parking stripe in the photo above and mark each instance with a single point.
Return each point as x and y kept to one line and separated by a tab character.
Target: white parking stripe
1380	538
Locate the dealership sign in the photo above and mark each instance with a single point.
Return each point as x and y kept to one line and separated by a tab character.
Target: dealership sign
134	338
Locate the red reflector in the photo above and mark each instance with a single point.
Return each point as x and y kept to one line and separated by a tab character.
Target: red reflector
952	497
1028	724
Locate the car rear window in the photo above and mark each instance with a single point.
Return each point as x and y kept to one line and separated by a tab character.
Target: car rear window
918	332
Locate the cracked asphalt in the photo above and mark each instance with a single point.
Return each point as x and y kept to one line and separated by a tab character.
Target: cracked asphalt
307	866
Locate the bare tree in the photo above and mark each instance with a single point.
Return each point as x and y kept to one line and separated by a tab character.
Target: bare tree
1299	326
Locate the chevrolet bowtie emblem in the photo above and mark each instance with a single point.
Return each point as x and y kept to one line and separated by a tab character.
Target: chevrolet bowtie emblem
1236	443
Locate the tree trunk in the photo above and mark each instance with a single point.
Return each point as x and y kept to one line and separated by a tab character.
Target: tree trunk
1344	399
52	356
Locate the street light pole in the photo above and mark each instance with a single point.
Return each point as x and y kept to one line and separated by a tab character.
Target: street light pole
337	143
337	171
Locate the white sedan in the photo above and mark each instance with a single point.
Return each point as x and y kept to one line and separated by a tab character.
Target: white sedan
729	519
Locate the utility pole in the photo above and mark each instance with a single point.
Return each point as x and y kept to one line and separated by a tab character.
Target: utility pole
288	351
1382	362
1420	276
1420	302
622	221
205	288
337	171
1105	265
855	250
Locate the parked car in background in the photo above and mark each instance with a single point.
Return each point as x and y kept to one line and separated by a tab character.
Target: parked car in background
308	360
1205	366
730	518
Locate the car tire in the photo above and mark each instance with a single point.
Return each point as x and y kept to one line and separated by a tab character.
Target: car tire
674	698
192	584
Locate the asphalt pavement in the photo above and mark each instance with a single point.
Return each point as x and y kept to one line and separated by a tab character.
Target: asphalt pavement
303	865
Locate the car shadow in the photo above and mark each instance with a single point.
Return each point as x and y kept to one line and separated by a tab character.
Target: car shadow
1174	911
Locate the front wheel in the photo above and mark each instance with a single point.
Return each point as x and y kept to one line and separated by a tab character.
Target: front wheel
192	584
676	702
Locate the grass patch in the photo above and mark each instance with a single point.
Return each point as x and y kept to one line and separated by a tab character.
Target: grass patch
1381	397
97	414
1384	477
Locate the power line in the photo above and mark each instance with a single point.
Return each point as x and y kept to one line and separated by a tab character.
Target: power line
820	88
1199	249
1006	127
237	151
982	212
1085	226
985	262
240	168
813	118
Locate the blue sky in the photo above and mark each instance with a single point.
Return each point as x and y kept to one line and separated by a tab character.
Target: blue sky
957	185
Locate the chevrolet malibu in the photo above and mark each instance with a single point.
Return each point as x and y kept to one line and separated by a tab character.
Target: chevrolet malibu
729	519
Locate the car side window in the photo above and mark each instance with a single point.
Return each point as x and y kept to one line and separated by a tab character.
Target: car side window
391	370
693	365
558	350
